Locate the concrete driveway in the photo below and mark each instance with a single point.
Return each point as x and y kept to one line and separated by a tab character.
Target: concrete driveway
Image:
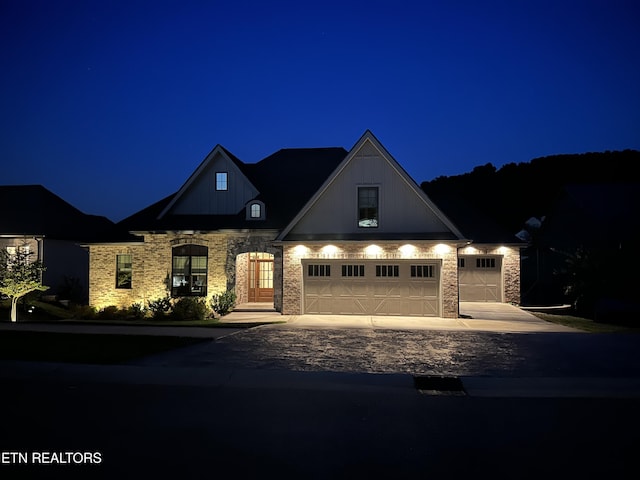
490	317
481	317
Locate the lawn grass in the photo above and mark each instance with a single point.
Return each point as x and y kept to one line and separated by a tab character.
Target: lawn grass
101	349
584	324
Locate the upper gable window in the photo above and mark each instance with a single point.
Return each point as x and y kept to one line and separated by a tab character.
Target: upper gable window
221	181
368	207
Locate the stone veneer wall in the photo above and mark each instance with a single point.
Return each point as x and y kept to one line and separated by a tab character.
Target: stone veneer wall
152	267
242	272
293	278
102	275
511	272
151	264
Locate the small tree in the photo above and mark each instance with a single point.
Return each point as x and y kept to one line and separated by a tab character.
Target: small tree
19	275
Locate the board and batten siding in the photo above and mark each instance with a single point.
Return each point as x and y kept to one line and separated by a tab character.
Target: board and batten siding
401	209
202	198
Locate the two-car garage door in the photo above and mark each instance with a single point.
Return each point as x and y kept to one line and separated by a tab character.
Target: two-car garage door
372	287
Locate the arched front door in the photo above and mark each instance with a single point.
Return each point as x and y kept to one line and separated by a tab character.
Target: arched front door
260	274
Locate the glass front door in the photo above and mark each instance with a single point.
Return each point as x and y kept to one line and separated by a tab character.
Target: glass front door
260	277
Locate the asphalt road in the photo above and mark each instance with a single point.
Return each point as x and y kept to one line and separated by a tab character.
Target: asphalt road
285	402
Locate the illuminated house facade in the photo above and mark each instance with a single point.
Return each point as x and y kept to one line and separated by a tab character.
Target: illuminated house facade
316	231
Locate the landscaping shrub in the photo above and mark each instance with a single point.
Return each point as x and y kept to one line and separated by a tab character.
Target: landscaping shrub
137	311
111	312
190	308
83	312
223	303
160	307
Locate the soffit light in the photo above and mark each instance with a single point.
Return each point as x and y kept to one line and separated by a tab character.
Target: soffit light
407	250
300	250
373	250
442	248
329	250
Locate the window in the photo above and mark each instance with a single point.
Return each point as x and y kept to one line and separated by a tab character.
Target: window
368	207
24	249
256	211
319	270
485	263
387	271
461	262
353	270
422	271
123	271
189	271
221	181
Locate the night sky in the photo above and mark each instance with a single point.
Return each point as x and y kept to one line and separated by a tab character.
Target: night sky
113	104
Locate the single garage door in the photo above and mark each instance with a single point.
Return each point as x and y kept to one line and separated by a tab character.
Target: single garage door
480	278
372	287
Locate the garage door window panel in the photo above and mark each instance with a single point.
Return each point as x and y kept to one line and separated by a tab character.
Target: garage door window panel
353	270
387	270
421	271
314	270
485	263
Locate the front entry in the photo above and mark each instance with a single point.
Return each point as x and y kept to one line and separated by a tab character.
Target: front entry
260	275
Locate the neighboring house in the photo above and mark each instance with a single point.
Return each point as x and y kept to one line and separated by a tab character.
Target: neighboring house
318	231
52	229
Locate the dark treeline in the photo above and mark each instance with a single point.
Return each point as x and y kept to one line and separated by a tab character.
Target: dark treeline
515	192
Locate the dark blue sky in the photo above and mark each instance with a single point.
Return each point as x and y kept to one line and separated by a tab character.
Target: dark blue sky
112	104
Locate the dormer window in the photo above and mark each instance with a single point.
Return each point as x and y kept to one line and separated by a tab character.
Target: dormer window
255	210
221	181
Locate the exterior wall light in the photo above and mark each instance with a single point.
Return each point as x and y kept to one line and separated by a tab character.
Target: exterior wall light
407	251
441	248
300	250
329	250
373	250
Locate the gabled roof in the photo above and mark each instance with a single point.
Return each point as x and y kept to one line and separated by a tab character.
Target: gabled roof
285	180
218	149
34	210
452	234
